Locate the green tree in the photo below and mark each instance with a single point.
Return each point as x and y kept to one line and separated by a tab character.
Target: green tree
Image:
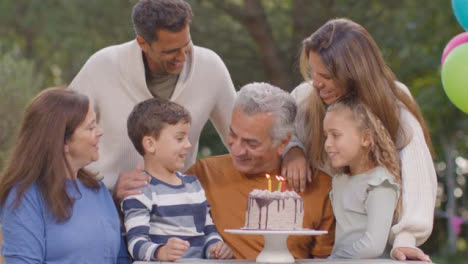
18	83
259	40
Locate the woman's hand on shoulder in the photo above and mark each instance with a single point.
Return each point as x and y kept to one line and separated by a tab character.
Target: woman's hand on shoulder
296	169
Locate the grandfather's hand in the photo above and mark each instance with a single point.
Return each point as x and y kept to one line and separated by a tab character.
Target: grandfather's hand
220	250
408	253
129	183
173	250
296	169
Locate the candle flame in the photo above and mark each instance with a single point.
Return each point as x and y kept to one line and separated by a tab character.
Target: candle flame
267	176
278	177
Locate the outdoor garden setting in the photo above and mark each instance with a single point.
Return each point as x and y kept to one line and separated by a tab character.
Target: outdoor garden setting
46	43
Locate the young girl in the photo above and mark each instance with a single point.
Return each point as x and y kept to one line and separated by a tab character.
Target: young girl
365	188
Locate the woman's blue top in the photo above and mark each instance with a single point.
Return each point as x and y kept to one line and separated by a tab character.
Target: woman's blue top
91	235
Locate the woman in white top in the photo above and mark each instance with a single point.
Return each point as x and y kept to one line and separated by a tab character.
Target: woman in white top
365	185
341	58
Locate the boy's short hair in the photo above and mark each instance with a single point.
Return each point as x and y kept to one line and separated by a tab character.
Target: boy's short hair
149	117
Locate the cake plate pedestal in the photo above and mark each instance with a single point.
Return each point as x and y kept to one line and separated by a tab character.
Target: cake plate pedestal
275	249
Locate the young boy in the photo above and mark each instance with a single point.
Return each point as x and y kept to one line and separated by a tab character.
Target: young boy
170	218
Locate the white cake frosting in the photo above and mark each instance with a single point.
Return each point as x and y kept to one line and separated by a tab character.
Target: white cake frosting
274	210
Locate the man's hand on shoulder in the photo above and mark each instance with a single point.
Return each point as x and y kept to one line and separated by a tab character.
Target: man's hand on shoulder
408	253
129	183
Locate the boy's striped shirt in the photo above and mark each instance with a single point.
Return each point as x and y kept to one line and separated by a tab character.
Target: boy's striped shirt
163	211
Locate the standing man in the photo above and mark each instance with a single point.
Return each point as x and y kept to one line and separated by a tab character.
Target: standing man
163	62
261	126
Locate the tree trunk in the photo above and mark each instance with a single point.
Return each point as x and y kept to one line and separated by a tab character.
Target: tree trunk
252	15
255	20
450	209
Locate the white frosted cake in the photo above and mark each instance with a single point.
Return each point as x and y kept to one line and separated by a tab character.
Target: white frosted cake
274	210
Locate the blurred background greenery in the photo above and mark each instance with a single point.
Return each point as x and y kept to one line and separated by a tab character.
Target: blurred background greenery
45	43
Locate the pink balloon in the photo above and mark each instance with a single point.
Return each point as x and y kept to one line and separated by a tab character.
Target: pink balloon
454	42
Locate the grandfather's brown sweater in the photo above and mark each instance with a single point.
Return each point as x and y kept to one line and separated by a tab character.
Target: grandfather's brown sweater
227	191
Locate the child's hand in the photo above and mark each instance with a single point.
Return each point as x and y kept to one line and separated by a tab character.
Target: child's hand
220	250
173	250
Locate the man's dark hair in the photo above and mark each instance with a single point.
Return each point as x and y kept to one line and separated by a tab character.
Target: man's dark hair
148	118
149	16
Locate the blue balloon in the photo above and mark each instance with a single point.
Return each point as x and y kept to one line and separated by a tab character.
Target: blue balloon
460	8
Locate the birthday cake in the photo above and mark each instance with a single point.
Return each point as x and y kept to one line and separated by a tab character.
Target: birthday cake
274	210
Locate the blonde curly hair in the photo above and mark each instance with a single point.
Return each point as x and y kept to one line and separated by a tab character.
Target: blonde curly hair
382	150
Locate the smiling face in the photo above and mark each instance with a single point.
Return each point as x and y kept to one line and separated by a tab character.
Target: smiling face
346	144
167	55
169	150
326	87
250	142
82	147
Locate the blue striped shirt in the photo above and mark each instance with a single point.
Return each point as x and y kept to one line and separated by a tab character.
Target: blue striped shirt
163	211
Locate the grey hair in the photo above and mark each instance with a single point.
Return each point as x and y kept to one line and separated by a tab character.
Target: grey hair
259	97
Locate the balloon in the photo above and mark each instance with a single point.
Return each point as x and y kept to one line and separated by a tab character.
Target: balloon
455	77
460	9
454	42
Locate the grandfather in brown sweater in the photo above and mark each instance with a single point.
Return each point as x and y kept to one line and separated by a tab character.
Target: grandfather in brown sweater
262	124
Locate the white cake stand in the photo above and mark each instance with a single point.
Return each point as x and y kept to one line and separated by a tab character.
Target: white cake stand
275	249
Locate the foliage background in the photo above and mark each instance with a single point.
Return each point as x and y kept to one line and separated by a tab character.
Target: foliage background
45	43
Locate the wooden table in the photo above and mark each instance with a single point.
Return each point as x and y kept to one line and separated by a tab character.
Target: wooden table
298	261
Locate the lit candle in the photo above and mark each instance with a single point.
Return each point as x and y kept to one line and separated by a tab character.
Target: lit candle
269	182
283	184
280	183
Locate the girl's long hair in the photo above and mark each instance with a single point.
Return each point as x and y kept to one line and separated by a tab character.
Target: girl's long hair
38	156
356	64
382	151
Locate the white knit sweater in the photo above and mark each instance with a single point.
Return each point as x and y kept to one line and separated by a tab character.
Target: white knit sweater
114	80
419	179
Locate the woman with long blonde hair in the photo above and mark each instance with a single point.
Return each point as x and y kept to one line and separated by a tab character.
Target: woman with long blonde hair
342	59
